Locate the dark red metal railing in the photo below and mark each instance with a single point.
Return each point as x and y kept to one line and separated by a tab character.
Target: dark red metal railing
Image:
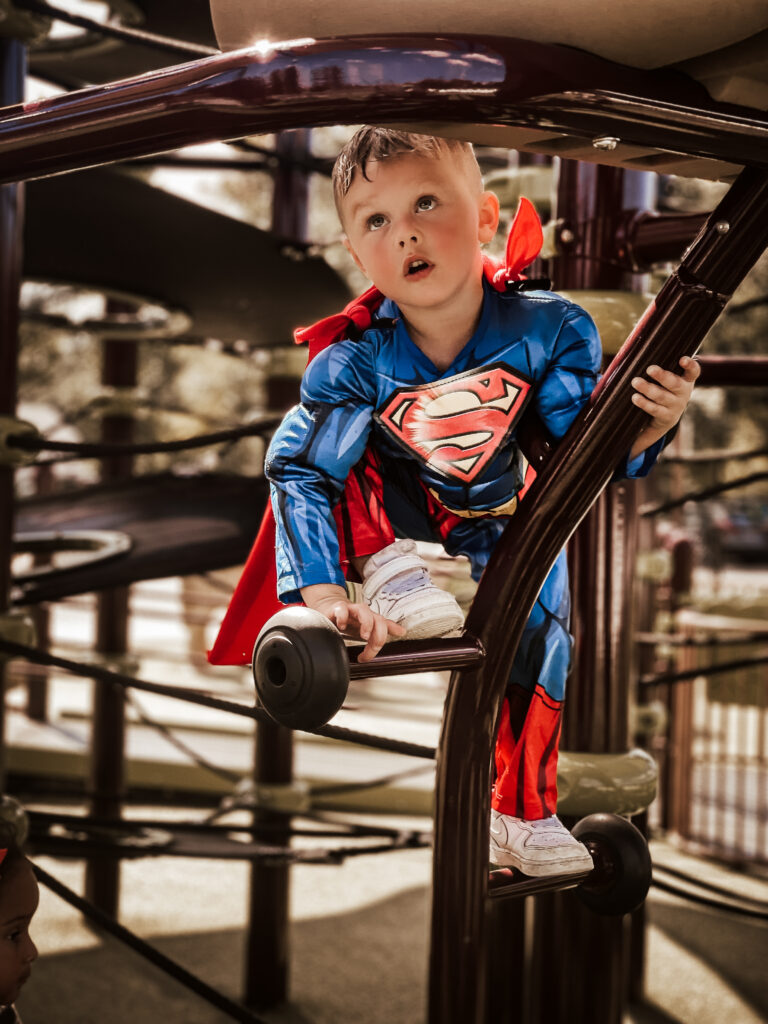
674	325
445	79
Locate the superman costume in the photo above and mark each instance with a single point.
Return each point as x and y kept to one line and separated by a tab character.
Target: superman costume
435	456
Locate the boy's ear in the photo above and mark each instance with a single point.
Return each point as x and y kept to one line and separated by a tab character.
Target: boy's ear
353	254
488	216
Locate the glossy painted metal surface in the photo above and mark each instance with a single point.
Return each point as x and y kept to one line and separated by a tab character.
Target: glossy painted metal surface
267	960
12	63
419	656
508	882
733	371
395	78
119	369
266	953
684	310
645	238
600	558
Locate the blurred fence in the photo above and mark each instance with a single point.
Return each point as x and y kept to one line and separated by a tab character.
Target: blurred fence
713	759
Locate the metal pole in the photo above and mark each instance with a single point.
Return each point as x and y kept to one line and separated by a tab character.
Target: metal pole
12	69
591	969
577	471
267	947
102	879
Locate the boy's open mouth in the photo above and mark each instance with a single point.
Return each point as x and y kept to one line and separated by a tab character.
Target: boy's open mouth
417	266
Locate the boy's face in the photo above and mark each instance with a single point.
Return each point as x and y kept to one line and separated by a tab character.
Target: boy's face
19	897
416	226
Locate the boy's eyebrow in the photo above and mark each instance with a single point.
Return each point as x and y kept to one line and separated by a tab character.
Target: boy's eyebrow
359	205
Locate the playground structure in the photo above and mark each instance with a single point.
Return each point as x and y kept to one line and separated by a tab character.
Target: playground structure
538	97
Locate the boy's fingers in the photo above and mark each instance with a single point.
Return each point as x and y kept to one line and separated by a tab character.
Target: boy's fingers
691	368
341	616
376	638
665	379
381	630
651	391
365	619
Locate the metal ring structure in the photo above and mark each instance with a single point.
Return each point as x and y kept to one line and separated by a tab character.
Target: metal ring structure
95	545
157	323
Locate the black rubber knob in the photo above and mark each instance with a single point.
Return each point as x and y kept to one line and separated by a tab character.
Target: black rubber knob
300	668
622	874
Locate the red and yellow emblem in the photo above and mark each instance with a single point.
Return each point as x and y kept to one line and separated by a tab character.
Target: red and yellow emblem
456	426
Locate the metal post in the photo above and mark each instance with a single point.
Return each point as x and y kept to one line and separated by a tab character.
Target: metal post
12	69
102	880
592	970
267	948
576	472
37	675
266	962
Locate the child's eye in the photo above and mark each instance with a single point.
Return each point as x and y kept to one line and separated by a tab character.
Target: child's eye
426	203
378	220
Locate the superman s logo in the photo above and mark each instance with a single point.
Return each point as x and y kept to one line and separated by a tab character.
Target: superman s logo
455	426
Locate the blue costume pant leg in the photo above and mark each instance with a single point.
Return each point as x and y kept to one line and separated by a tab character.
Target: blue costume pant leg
529	733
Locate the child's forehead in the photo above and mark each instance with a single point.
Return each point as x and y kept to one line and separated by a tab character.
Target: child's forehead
403	169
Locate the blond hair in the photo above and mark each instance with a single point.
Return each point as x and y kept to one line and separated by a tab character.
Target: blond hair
370	144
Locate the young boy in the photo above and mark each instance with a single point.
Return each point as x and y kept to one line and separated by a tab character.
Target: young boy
417	417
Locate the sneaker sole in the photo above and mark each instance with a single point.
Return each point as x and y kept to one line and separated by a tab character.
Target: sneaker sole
569	866
421	627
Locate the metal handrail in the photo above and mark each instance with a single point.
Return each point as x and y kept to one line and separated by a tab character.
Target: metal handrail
687	305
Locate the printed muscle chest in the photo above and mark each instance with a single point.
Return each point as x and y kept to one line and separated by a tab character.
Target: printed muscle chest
455	426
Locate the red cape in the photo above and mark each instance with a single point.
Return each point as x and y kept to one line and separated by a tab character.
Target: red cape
255	597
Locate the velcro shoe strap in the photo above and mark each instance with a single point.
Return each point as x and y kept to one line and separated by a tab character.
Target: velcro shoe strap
388	571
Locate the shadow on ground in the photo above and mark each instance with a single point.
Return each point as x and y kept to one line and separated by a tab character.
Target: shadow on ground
366	967
734	948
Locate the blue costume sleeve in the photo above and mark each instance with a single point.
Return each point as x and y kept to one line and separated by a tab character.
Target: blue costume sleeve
570	380
309	459
572	373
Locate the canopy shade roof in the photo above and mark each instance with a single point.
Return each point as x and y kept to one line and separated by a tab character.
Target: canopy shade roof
727	53
639	33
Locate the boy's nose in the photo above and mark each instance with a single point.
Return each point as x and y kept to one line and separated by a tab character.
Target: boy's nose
30	953
407	238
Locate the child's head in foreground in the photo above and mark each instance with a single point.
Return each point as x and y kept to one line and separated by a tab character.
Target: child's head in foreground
414	213
19	897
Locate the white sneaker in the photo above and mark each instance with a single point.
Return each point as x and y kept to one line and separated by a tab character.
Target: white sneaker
537	848
397	585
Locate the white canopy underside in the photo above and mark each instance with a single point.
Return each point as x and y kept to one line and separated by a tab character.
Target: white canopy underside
722	46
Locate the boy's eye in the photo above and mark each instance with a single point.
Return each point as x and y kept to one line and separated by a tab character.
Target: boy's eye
426	203
378	220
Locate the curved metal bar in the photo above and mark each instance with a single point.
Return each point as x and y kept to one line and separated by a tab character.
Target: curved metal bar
733	371
97	545
445	79
418	656
582	465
